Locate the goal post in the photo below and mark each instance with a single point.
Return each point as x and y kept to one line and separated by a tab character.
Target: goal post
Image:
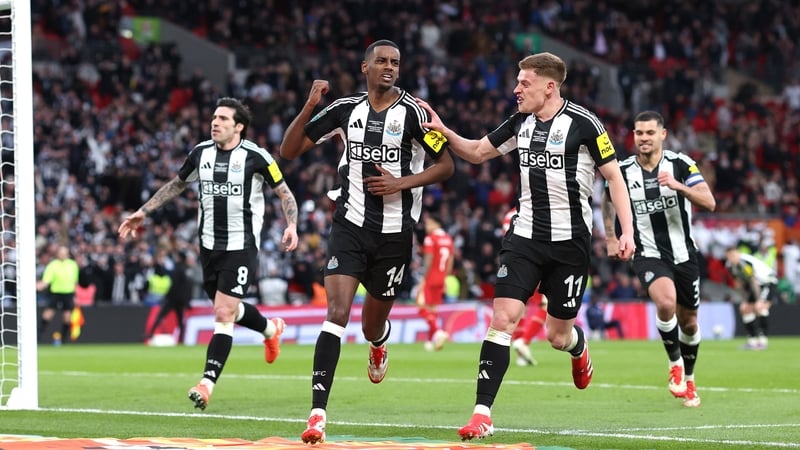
19	382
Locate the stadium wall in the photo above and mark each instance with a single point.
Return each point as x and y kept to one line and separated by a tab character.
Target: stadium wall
466	322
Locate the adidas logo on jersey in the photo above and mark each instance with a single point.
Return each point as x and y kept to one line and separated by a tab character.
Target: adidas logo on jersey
238	290
357	124
635	185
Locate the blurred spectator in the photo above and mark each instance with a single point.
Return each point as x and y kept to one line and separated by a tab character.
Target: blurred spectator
94	93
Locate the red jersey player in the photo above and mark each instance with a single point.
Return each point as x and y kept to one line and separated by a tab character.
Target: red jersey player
437	264
533	323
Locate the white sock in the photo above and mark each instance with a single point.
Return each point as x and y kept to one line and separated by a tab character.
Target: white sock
270	330
209	384
482	409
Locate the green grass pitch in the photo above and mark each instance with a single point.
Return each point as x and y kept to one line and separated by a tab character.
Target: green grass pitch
750	399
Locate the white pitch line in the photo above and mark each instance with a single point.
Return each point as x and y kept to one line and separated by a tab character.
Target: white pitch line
622	434
418	380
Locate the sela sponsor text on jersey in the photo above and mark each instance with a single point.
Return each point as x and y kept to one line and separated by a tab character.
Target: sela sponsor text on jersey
360	152
226	189
655	205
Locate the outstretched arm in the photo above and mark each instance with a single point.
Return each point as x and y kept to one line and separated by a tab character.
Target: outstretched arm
167	192
474	151
289	206
295	142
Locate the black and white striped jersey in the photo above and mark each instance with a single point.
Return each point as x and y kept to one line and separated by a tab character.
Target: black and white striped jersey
557	161
750	267
231	192
662	218
392	138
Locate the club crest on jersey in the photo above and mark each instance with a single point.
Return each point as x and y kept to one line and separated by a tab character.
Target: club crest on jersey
333	263
557	138
394	128
502	272
236	166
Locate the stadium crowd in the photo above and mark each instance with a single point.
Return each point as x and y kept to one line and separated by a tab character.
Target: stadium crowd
114	120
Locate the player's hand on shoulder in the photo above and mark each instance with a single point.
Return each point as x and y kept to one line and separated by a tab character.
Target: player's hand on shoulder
435	122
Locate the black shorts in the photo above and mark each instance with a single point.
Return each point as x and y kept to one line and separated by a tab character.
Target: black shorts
686	277
768	293
560	269
64	302
379	261
231	272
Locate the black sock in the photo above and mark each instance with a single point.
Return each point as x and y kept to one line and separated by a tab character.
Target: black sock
689	353
762	325
580	345
751	328
65	332
43	327
671	343
494	360
216	355
326	357
252	318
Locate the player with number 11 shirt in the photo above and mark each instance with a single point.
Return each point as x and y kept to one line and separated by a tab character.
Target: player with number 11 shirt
559	144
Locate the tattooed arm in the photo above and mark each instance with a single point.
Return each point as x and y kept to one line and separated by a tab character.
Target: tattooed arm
609	216
289	206
167	192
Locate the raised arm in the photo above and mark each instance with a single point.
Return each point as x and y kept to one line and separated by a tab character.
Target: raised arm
167	192
474	151
295	142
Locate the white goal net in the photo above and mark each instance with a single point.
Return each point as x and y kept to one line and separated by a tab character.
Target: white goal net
19	387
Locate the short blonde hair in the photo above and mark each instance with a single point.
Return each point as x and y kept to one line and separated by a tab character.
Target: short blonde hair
545	64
